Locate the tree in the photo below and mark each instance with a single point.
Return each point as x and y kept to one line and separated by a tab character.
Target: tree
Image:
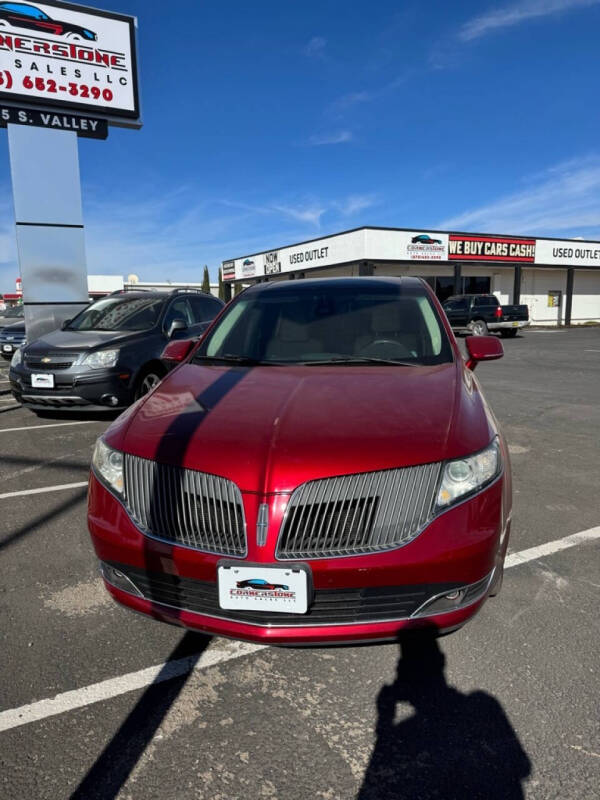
221	285
206	281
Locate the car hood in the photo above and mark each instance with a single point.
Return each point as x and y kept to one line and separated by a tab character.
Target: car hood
14	327
270	429
78	340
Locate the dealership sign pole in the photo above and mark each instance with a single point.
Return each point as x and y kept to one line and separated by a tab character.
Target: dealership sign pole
65	71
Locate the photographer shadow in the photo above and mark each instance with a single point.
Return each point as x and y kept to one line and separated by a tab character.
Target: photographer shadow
454	745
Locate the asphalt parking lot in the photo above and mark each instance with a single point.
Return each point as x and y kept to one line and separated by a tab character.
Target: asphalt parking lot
96	702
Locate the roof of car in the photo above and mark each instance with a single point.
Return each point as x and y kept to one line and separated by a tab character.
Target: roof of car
339	283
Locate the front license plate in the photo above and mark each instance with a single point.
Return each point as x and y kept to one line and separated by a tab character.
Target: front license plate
263	589
7	348
42	380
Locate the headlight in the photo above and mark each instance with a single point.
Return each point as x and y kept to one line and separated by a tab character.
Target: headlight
108	464
100	359
17	358
466	475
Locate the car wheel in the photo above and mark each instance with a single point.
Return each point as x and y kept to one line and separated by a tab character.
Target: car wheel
478	328
508	334
147	381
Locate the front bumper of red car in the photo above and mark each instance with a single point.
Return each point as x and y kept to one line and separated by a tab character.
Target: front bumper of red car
362	598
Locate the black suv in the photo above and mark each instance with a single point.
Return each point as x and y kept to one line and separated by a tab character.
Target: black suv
109	354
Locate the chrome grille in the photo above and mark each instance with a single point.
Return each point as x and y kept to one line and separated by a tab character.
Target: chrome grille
185	507
354	514
57	360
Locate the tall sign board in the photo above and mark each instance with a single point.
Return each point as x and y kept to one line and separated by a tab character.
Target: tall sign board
69	58
65	71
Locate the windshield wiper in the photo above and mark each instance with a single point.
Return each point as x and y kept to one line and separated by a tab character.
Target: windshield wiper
359	360
229	358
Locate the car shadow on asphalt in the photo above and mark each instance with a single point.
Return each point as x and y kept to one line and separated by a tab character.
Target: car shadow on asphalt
452	745
114	765
37	524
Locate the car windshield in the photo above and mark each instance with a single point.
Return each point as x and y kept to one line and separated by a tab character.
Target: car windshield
13	313
120	313
333	324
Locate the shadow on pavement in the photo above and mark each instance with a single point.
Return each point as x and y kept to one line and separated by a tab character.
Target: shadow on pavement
113	766
452	745
44	519
75	416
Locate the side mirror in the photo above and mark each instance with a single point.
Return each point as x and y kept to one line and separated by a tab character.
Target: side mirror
482	348
176	325
65	324
176	351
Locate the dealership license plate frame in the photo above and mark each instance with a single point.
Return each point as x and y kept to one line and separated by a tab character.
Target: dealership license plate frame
297	577
42	380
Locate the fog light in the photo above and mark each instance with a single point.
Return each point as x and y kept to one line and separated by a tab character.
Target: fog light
118	579
109	400
457	598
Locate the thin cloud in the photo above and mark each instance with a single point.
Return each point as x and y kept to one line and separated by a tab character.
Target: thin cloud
515	14
347	101
356	203
340	137
311	214
351	99
563	200
315	47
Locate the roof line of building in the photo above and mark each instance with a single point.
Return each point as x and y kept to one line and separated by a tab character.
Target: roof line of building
412	230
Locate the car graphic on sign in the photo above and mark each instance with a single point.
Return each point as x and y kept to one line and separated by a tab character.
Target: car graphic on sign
424	238
259	583
23	15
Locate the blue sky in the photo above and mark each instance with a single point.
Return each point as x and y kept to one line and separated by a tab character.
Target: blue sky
270	122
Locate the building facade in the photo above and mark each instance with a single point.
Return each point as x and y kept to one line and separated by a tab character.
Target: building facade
558	279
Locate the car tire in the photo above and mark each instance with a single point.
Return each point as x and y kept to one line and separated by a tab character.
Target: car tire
508	334
478	328
147	380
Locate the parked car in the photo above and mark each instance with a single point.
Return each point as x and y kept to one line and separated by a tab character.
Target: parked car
479	313
109	354
328	432
11	338
11	314
23	15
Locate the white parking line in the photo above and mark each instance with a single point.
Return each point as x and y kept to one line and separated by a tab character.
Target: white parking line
547	549
113	687
44	489
51	425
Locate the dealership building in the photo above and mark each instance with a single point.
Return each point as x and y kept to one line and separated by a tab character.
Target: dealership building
558	279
